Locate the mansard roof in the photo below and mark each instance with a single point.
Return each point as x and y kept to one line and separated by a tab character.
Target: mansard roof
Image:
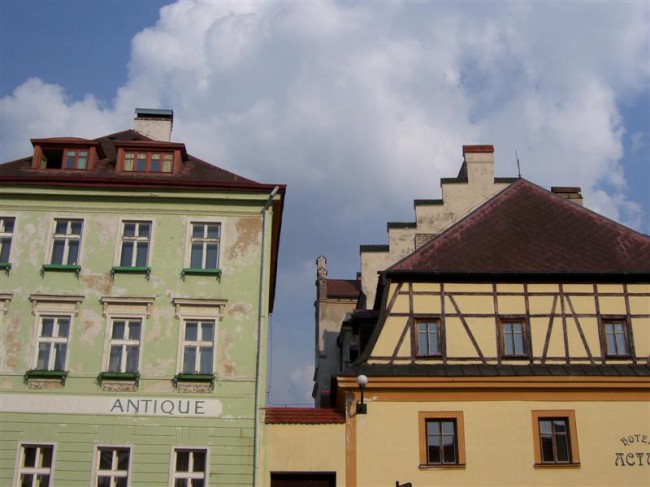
195	173
526	229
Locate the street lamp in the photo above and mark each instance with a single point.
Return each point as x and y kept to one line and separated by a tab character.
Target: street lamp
362	381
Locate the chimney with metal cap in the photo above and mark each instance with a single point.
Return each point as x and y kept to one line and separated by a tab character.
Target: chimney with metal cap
154	123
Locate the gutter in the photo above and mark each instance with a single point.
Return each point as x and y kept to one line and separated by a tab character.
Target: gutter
260	328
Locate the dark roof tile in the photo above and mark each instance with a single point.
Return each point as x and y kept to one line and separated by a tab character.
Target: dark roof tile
526	229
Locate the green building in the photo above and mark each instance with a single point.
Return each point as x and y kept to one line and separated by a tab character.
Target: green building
135	288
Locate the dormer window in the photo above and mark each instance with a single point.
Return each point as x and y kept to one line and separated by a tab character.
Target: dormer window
149	161
55	158
66	153
149	157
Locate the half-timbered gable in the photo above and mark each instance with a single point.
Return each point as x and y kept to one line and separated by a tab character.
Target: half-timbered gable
528	278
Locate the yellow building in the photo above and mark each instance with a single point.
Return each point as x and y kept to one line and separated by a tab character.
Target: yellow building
511	349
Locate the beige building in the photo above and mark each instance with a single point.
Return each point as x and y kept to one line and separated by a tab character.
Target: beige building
511	349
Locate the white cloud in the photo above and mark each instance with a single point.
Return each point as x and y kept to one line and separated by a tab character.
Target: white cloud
362	107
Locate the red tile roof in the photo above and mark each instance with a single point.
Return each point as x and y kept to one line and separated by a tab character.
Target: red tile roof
527	229
478	148
194	172
343	288
303	416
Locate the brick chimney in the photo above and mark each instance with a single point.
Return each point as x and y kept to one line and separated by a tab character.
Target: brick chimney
154	123
478	164
571	193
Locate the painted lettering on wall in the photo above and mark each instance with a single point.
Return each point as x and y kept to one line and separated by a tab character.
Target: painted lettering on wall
175	407
633	458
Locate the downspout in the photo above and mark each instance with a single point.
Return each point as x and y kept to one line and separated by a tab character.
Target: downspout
260	322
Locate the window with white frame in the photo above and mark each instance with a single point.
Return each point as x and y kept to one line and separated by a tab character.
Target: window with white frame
112	464
134	250
6	234
198	347
52	342
67	242
35	465
190	467
204	245
124	347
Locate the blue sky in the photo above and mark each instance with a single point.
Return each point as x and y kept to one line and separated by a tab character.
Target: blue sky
359	107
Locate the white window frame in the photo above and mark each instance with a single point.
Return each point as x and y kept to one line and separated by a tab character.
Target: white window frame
6	235
125	309
53	306
53	340
124	342
20	469
111	473
136	240
67	238
189	240
198	344
174	475
197	310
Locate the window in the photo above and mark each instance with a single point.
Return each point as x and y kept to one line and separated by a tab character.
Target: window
67	240
513	336
112	466
556	440
428	337
205	245
75	159
35	465
125	345
52	342
135	244
6	233
146	161
615	337
198	347
442	439
67	158
189	468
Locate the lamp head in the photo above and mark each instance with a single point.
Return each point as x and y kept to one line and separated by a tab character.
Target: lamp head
362	381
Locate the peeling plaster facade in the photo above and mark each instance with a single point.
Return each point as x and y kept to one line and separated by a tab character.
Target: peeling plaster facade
161	414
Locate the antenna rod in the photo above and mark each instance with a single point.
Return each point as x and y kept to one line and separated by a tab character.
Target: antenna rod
518	168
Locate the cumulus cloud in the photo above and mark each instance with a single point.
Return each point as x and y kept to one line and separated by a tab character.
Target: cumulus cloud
362	107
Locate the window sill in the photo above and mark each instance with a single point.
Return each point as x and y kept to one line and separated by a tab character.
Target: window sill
194	383
119	381
188	271
60	268
194	378
54	375
125	376
119	269
556	465
459	466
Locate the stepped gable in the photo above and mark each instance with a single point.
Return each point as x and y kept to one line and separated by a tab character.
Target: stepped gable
527	229
194	170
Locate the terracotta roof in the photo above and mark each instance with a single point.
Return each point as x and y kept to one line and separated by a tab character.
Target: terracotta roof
195	172
303	416
527	229
343	288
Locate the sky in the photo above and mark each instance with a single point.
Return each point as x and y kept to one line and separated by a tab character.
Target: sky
359	107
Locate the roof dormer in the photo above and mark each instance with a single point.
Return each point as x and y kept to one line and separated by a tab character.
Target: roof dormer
67	153
149	157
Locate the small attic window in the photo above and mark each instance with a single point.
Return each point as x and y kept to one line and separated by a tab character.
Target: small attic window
58	158
148	161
